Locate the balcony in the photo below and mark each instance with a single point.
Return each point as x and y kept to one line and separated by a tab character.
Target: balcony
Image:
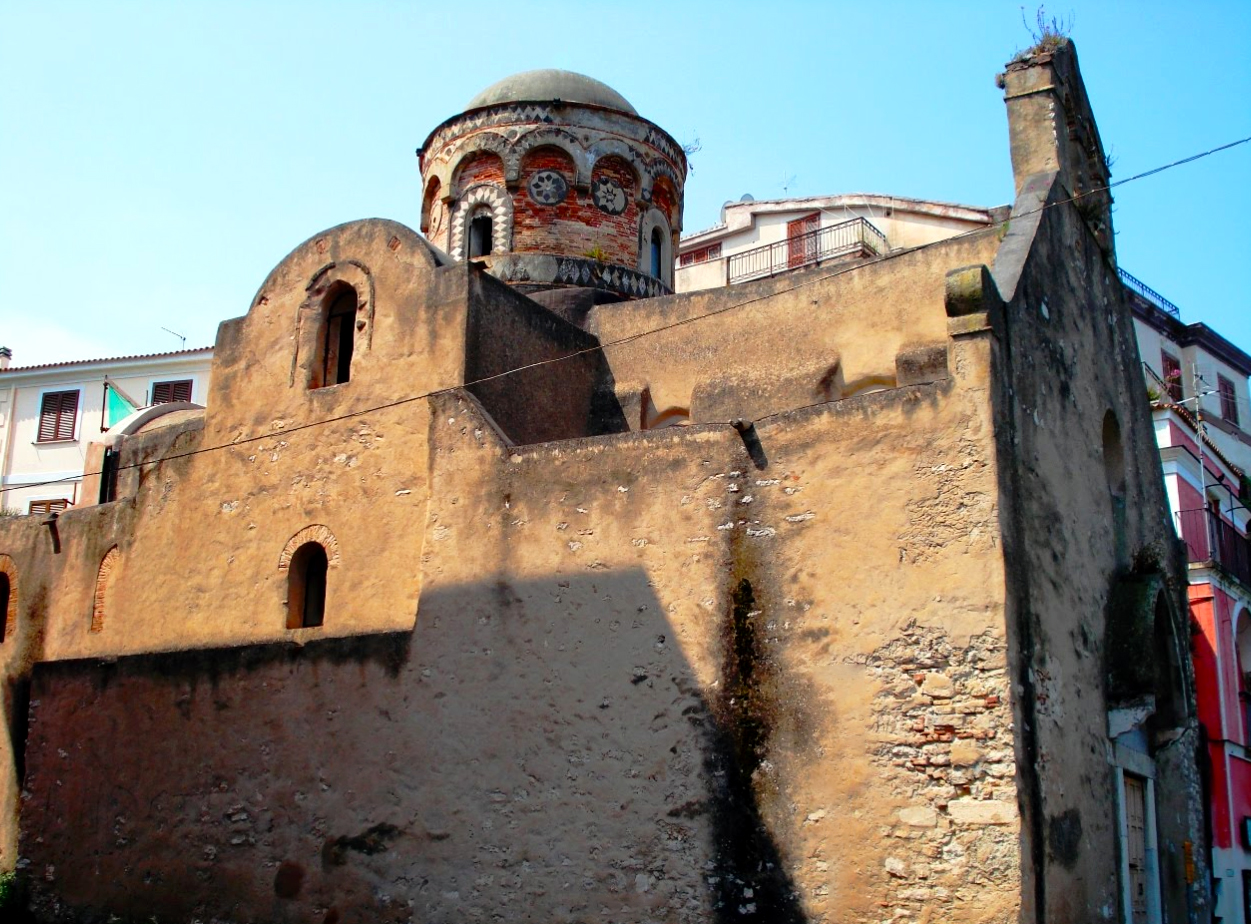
855	238
1148	294
1208	538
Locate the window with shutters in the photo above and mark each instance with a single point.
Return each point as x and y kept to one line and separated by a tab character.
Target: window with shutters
1229	399
45	507
167	392
1171	366
58	413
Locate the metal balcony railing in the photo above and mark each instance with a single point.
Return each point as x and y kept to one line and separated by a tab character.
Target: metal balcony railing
849	238
1150	294
1208	538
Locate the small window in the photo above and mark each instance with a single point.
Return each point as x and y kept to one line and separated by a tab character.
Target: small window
169	392
57	416
1172	375
658	249
702	255
1229	399
45	507
306	586
480	236
338	336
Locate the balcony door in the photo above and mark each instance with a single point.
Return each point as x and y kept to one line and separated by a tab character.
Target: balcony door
801	240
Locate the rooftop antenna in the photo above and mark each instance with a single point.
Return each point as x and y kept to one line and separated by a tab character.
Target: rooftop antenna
786	185
178	335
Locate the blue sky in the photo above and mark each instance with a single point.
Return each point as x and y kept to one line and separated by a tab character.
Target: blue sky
160	158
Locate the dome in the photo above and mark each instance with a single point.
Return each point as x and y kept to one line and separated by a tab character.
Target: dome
552	84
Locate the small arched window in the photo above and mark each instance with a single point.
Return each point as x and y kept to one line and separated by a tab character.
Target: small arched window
480	235
306	586
338	336
6	590
658	249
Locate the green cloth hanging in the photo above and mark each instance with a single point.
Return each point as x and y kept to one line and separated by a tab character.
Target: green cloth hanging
117	405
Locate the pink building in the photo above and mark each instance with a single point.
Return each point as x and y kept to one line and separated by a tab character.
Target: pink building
1197	381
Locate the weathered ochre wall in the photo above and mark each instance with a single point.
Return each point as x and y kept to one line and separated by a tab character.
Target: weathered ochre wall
807	337
650	678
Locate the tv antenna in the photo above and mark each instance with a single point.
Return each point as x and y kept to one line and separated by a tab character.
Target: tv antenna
178	335
786	184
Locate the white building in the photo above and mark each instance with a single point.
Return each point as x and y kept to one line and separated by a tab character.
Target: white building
50	413
755	239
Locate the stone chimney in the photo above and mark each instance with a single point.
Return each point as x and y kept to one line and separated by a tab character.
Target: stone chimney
1051	128
6	356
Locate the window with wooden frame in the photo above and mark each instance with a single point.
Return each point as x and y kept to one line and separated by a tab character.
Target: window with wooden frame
701	255
45	507
58	414
1229	399
168	392
1171	367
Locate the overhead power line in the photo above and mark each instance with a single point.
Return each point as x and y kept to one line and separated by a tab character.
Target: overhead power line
629	338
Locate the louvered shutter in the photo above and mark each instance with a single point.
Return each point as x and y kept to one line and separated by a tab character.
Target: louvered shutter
57	416
165	392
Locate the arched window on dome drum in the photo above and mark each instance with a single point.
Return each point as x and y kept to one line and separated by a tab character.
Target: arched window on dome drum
658	249
480	235
306	586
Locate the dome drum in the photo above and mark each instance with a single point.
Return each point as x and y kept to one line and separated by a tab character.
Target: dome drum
572	172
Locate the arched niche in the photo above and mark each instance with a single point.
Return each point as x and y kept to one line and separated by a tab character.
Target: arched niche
106	581
432	223
478	166
8	596
520	151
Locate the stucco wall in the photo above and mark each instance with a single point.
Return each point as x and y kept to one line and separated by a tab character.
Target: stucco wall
634	657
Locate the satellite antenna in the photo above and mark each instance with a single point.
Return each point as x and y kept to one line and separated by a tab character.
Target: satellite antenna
178	335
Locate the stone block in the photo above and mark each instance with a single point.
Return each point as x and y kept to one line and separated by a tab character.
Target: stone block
919	816
981	812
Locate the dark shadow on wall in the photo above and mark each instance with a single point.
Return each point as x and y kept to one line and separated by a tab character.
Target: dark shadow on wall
537	751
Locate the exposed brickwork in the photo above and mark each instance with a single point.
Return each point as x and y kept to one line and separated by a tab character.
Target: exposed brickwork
612	165
316	533
104	584
944	742
617	234
569	227
665	198
479	167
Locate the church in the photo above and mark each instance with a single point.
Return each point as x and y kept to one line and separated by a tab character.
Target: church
498	582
